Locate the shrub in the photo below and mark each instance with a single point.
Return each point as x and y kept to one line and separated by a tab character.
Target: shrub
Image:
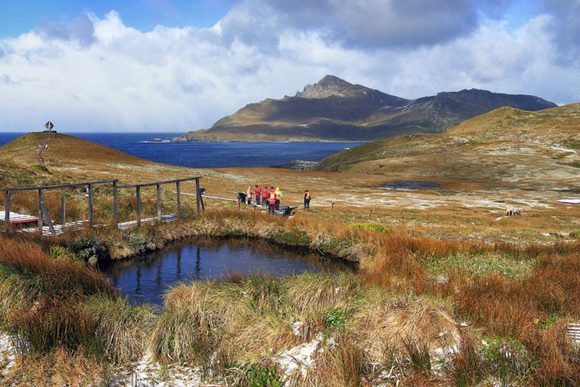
90	250
135	241
505	357
335	318
258	375
61	253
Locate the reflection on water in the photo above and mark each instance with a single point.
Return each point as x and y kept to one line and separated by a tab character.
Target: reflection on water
147	277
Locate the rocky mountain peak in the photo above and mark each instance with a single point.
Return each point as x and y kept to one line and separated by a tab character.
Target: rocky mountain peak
331	86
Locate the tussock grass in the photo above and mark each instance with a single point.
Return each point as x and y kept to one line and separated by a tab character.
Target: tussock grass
121	329
52	305
58	368
390	317
347	365
215	324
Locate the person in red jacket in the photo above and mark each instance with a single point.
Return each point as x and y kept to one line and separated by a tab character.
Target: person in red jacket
258	193
265	194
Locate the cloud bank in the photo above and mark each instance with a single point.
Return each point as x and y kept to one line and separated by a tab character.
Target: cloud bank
98	74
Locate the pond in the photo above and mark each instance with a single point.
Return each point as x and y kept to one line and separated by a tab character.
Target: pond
146	278
411	185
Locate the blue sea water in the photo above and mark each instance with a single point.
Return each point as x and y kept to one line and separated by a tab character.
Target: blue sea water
209	154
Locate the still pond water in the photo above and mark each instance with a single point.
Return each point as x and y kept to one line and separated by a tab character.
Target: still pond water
148	277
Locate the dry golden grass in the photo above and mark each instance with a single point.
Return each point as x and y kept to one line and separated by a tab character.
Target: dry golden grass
57	369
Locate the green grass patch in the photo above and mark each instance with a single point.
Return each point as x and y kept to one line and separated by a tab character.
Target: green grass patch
572	144
335	318
293	238
258	375
478	265
375	227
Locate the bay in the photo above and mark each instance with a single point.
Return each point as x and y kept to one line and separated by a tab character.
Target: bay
209	154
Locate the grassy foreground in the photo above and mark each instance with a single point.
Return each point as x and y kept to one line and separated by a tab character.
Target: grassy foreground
397	320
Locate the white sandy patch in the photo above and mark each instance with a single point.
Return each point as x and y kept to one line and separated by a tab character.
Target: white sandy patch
147	372
7	353
299	359
569	201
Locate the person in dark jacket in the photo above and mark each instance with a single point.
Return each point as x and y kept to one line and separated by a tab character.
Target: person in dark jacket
307	197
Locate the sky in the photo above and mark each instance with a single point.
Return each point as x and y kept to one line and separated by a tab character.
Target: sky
179	65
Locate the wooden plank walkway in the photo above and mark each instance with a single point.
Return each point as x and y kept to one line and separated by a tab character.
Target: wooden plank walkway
573	331
81	224
44	221
16	218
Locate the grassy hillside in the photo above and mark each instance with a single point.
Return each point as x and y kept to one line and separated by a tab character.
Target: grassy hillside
506	147
70	158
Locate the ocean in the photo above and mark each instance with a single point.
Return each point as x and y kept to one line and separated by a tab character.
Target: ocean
209	154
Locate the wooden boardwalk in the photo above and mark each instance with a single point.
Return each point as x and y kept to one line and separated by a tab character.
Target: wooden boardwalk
45	225
81	224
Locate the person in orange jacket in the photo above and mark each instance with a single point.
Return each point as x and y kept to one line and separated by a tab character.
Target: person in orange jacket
272	201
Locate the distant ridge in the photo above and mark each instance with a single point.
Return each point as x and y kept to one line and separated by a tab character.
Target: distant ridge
334	109
507	148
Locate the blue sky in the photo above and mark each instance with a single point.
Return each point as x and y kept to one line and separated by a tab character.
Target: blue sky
103	66
19	16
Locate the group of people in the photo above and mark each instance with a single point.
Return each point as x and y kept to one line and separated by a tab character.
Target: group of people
271	197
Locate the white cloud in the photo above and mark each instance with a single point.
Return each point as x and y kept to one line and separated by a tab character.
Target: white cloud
111	77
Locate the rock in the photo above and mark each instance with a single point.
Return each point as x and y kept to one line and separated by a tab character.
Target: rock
300	165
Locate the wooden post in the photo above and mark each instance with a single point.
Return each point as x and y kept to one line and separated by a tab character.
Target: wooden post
48	219
178	190
63	209
159	202
197	197
115	205
40	205
7	224
91	219
138	204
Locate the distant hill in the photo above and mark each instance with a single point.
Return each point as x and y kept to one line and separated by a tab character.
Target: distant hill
502	148
67	158
334	109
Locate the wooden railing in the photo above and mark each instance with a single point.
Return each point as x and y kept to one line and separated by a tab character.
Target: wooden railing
44	216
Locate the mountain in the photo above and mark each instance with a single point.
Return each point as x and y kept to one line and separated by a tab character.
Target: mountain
504	148
334	109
